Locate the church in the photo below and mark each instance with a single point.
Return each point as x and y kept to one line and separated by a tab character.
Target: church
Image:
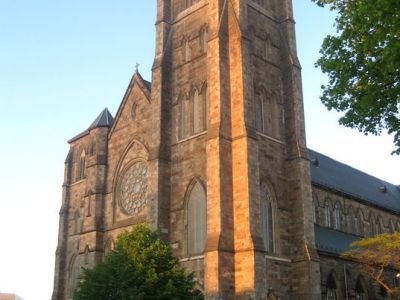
212	153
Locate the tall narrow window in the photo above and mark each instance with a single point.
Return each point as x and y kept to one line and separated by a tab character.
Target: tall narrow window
328	214
338	217
81	166
261	113
331	288
359	223
378	228
315	211
361	293
267	218
204	107
186	50
181	117
197	220
197	116
372	227
392	229
350	221
203	40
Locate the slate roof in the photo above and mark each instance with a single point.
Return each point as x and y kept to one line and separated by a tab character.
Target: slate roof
332	241
104	119
337	176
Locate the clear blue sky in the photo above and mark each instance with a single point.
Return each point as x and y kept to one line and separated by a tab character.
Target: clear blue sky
61	63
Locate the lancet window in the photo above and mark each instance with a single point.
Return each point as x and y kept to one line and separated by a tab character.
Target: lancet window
196	219
267	217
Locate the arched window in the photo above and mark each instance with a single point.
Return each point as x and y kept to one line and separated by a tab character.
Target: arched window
182	108
378	227
186	50
197	116
361	291
203	40
197	219
77	222
328	214
351	220
331	288
315	211
109	246
204	107
338	216
81	166
372	225
267	218
261	112
392	229
359	223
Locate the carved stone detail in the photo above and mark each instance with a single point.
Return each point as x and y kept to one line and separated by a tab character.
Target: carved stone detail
133	188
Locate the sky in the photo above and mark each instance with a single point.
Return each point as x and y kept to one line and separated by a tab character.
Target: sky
61	63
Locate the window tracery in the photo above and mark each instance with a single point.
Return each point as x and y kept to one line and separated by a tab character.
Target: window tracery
338	216
267	217
328	214
196	219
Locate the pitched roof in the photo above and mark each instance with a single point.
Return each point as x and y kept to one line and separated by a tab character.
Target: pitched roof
332	241
104	119
342	178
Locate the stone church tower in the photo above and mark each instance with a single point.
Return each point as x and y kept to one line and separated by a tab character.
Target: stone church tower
212	153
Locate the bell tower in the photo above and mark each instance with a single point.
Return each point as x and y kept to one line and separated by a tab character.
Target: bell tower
228	80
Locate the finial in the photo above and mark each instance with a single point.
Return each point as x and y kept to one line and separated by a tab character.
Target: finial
137	68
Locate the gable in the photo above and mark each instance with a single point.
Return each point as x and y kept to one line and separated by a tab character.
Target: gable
135	103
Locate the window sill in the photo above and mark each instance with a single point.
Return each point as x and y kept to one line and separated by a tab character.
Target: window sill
192	258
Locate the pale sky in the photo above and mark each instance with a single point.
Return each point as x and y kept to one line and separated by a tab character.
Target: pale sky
61	63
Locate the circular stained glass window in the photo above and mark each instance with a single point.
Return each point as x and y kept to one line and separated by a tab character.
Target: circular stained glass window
133	187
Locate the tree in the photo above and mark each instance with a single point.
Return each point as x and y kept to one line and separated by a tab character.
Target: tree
376	256
141	267
363	65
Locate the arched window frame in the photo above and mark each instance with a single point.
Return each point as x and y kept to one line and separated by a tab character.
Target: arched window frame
198	226
204	105
182	112
328	214
372	225
315	212
392	228
351	221
331	288
203	40
361	292
338	216
267	217
81	166
196	108
360	223
185	50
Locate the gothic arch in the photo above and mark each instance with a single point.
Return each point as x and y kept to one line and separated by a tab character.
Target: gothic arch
269	224
332	287
196	217
328	212
361	288
315	209
350	216
73	273
109	246
338	215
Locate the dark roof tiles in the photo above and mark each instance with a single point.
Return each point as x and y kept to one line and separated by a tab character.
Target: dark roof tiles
337	176
104	119
332	241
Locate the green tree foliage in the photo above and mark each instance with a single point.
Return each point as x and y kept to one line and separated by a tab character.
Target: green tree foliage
376	256
141	267
363	65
